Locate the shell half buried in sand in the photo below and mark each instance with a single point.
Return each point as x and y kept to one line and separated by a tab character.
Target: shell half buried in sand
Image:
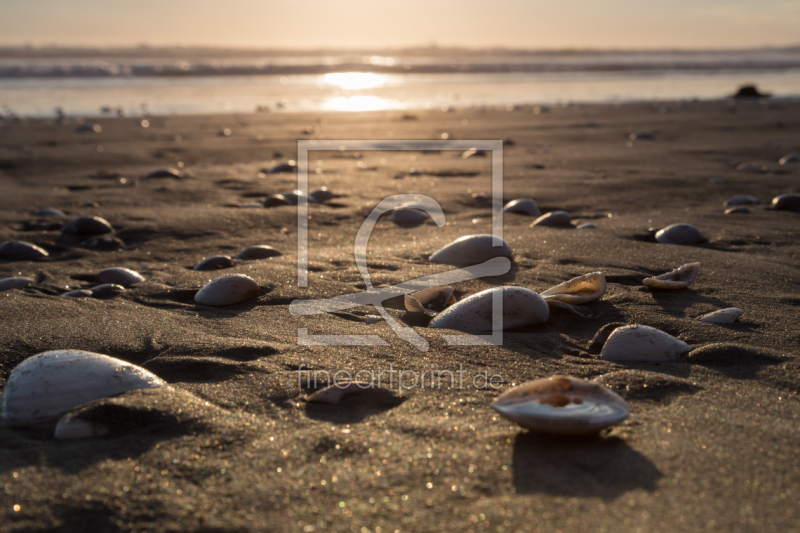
523	206
554	219
471	250
722	316
562	405
334	393
433	299
409	216
630	344
14	283
119	276
228	290
51	383
21	251
679	278
521	307
685	234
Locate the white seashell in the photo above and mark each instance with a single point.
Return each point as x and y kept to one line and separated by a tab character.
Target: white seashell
521	307
70	427
228	290
408	216
321	195
471	250
722	316
162	173
47	212
79	293
587	225
740	200
737	210
677	279
52	383
87	226
524	206
21	251
680	234
579	290
14	283
435	298
786	202
562	405
637	343
789	158
214	263
553	219
119	276
339	390
261	251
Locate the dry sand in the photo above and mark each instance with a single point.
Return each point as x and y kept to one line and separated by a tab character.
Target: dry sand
713	441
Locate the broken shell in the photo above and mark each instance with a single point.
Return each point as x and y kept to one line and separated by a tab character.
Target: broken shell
228	290
789	158
321	195
579	290
408	216
786	202
740	200
436	299
562	405
337	391
261	251
471	250
119	276
637	343
214	263
737	210
47	212
288	166
521	307
680	234
553	219
69	427
52	383
162	173
722	316
14	283
677	279
21	251
524	206
87	226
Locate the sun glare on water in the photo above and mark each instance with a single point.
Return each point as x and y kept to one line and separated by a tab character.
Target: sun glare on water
352	81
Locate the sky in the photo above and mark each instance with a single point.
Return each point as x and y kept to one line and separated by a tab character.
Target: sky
536	24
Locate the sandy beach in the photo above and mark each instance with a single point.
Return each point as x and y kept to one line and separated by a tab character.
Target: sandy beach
713	440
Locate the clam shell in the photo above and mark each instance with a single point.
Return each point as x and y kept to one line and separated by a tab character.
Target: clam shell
553	219
786	202
740	200
579	290
321	195
562	405
471	250
680	234
228	290
408	216
21	251
14	283
637	343
261	251
435	298
521	307
214	263
789	158
52	383
737	210
275	200
524	206
337	391
87	226
163	173
47	212
722	316
119	276
677	279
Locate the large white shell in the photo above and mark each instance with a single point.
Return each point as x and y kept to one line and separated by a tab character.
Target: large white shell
471	250
52	383
786	202
21	251
87	226
553	219
521	307
637	343
228	290
429	299
119	276
680	234
260	251
742	199
677	279
14	283
408	216
722	316
578	290
562	405
523	206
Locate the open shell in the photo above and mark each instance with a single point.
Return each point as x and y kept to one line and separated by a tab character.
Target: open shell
87	226
562	405
553	219
216	262
21	251
471	250
261	251
523	206
579	290
52	383
228	290
722	316
677	279
14	283
119	276
521	307
680	234
637	343
786	202
436	298
334	393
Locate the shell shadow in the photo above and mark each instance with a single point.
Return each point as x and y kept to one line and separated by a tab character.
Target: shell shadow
353	408
676	301
582	467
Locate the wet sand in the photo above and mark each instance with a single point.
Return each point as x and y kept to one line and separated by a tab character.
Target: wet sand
713	439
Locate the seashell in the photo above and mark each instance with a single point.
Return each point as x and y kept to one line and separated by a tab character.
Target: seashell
636	343
677	279
408	216
722	316
14	283
742	199
524	206
214	263
70	427
293	197
436	299
119	276
470	250
521	307
275	200
87	226
642	136
261	251
162	173
21	251
579	290
228	290
52	383
553	219
321	195
741	210
786	202
47	212
680	234
107	290
79	293
337	391
288	166
89	128
562	405
105	244
587	225
789	158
